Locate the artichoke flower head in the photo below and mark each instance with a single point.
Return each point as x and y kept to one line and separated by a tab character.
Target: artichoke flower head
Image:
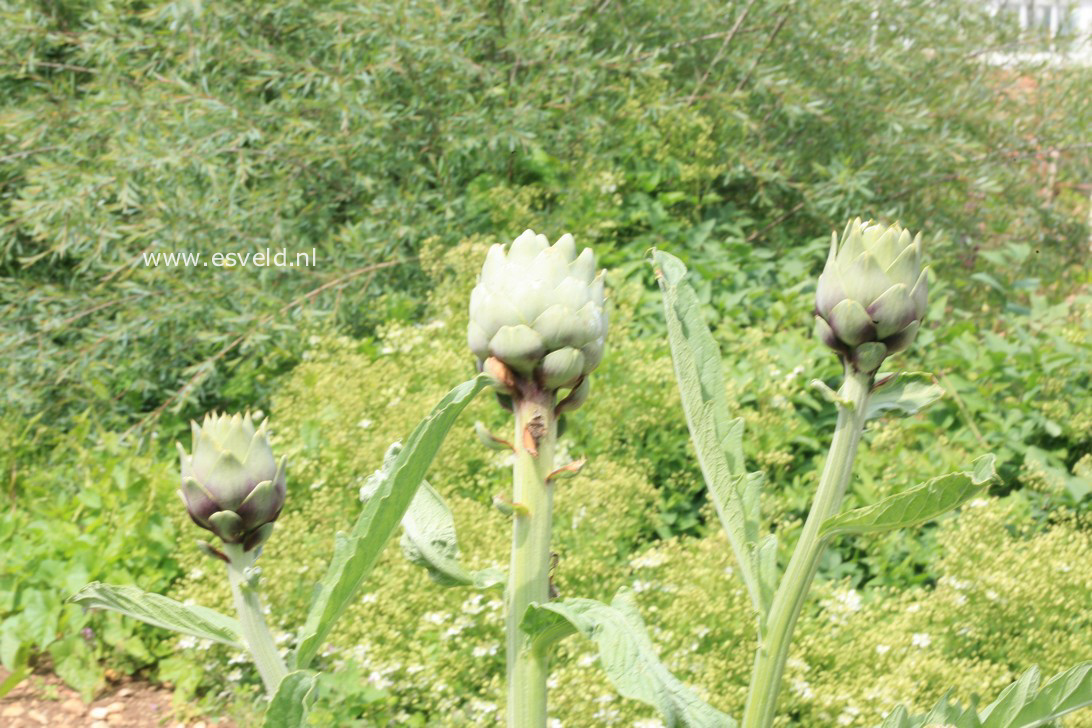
872	293
231	484
538	317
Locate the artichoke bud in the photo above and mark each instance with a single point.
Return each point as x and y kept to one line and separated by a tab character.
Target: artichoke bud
231	484
538	315
872	293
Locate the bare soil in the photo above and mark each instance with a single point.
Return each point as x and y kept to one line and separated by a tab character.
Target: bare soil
44	700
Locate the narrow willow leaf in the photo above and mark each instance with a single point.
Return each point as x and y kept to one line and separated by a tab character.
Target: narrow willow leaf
355	554
626	653
921	503
293	700
718	439
428	540
161	611
908	392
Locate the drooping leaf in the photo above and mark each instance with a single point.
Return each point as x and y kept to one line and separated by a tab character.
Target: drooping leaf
293	700
718	439
1023	704
626	653
921	503
355	553
161	611
428	540
907	392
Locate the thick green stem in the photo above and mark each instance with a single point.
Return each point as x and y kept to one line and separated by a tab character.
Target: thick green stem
793	589
529	571
248	605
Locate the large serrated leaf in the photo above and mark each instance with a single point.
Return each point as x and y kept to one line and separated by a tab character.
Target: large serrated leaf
626	653
355	554
161	611
292	702
1023	704
428	540
906	392
718	439
919	504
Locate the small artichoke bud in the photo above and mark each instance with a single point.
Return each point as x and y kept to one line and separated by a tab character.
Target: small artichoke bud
538	315
872	293
231	484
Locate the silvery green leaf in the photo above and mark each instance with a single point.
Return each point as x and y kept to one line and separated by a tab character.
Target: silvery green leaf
355	553
626	654
161	611
292	702
908	393
718	439
1023	704
921	503
428	540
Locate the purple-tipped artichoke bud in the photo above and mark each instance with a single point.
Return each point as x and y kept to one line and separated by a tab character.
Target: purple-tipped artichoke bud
231	484
540	311
872	293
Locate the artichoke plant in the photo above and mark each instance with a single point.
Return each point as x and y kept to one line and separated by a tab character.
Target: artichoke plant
231	484
872	293
538	317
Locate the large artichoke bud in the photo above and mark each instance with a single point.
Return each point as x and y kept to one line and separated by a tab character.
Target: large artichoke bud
872	293
231	484
538	316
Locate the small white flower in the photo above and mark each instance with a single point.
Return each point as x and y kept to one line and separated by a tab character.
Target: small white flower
803	689
883	649
365	423
649	560
921	639
482	651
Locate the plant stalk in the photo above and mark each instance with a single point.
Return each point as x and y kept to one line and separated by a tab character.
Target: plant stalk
248	605
529	571
773	651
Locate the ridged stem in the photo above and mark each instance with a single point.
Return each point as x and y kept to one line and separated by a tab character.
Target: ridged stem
773	652
529	570
248	605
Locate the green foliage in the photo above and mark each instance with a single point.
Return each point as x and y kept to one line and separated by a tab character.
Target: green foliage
362	131
627	654
1021	705
388	133
356	552
424	652
100	512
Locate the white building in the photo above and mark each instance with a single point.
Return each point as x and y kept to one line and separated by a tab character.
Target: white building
1057	32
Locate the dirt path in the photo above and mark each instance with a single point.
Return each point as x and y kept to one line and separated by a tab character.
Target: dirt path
44	700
